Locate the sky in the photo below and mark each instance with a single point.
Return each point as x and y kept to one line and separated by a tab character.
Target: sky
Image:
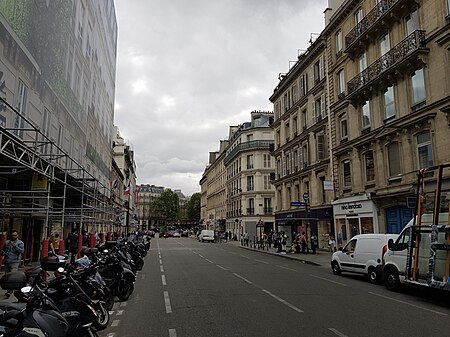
188	69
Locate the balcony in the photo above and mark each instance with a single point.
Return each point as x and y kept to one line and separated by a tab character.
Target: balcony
268	210
250	211
400	60
375	23
252	145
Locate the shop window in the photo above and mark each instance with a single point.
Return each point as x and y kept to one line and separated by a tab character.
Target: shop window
367	225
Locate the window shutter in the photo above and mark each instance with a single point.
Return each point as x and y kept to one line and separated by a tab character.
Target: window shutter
322	67
322	105
320	147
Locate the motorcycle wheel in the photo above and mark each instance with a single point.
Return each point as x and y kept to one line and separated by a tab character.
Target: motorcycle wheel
102	317
89	332
124	289
108	300
139	264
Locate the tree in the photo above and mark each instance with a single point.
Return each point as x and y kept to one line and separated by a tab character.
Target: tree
193	211
167	204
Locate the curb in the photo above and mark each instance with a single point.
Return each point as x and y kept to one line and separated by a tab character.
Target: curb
286	256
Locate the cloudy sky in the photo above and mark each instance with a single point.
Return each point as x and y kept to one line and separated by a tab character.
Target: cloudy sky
188	69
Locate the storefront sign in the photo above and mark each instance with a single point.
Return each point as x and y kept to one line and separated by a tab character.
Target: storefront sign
39	182
328	185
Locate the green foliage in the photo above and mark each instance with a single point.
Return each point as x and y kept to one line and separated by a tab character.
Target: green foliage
193	211
167	204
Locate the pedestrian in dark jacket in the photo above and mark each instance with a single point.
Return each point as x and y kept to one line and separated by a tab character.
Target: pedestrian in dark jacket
12	251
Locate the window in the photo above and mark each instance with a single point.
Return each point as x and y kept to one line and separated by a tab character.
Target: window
346	174
424	150
266	160
266	182
287	132
268	206
343	126
251	206
389	103
339	42
412	23
294	93
304	120
393	159
369	167
319	108
250	183
320	147
250	162
341	82
22	97
448	6
358	16
305	155
362	62
365	115
304	84
418	86
249	138
384	44
294	125
319	69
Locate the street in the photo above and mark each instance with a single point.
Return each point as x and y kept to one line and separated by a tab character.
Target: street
187	288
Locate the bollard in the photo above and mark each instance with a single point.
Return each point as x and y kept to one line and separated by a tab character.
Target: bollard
61	247
92	240
80	244
44	254
109	236
102	237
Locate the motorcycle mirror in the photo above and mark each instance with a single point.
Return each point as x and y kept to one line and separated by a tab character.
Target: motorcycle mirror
60	269
26	289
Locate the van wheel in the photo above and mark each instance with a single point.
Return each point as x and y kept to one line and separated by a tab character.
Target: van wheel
373	275
336	268
391	279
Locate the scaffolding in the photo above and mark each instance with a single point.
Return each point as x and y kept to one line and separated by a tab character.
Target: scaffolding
42	188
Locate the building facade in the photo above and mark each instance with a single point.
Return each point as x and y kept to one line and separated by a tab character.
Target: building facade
147	216
303	177
388	63
248	166
57	79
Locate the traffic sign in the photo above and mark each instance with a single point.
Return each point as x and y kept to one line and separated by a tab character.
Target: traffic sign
297	203
306	196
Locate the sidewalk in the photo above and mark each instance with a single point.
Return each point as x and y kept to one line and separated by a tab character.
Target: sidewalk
321	258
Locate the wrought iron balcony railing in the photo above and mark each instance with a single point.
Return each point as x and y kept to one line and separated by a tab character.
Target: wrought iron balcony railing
369	20
254	144
412	43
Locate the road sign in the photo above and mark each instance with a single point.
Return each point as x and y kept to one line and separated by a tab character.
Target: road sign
306	196
297	203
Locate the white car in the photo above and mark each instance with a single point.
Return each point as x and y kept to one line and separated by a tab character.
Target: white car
363	254
176	235
206	235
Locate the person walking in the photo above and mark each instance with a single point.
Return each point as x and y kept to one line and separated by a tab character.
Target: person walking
12	250
332	243
72	242
314	243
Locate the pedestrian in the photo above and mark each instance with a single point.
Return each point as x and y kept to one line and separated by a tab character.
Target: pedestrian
313	243
304	243
332	243
12	251
85	239
72	242
55	243
246	238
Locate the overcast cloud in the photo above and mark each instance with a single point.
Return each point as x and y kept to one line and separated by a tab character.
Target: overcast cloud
188	69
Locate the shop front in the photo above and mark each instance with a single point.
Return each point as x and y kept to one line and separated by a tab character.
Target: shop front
353	216
316	221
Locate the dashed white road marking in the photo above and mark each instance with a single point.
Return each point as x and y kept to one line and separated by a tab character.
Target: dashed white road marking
245	256
209	260
123	304
282	301
167	302
410	304
115	322
242	278
172	333
162	269
265	262
221	267
119	312
112	334
201	256
142	276
286	268
160	261
328	280
337	333
163	280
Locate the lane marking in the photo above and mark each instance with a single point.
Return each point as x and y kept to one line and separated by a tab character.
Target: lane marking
115	322
265	262
293	307
160	261
119	312
162	269
340	334
286	268
123	304
209	260
245	256
167	302
163	280
328	280
221	267
111	334
172	333
242	278
410	304
201	256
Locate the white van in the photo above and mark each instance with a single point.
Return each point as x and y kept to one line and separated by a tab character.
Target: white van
363	254
206	235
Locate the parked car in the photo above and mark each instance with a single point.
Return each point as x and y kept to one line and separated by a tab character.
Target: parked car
176	235
185	233
363	254
206	235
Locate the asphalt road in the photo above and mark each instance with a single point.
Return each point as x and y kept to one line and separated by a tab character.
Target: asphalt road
192	289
